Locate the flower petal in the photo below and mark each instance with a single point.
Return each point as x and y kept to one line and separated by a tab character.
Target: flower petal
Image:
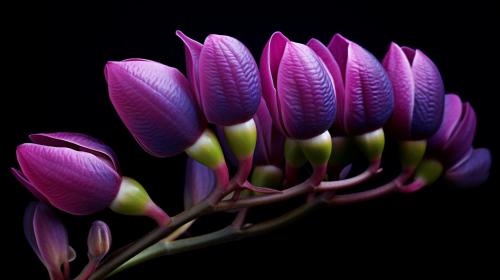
192	51
461	138
156	104
326	56
29	232
76	182
471	172
27	184
306	93
269	64
452	112
79	142
200	182
429	97
229	81
400	73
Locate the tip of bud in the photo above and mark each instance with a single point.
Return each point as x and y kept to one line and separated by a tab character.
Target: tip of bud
99	240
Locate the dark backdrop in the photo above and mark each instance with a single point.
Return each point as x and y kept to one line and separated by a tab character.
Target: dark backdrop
56	83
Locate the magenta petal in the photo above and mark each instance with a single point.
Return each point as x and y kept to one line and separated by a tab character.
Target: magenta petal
47	236
471	172
429	97
27	184
229	81
192	51
305	92
263	123
269	64
156	104
76	182
451	117
400	73
77	141
461	138
326	56
200	182
368	91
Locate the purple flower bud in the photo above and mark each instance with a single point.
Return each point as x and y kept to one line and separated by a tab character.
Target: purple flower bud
200	182
156	104
418	93
225	77
48	238
73	172
297	88
98	241
471	171
364	92
270	142
454	137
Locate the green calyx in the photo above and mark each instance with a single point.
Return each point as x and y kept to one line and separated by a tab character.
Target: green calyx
411	153
242	138
293	153
429	170
317	149
132	198
372	144
207	150
268	176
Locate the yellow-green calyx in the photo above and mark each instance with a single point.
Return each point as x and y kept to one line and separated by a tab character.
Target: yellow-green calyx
268	176
293	153
132	198
372	144
207	150
411	153
429	170
317	149
241	138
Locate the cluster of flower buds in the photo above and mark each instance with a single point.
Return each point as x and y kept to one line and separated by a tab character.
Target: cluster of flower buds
302	103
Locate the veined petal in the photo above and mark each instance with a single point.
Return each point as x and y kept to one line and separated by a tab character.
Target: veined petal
27	184
429	97
400	73
306	93
462	136
269	64
471	172
192	51
76	182
368	92
229	81
155	103
200	182
79	142
331	64
452	114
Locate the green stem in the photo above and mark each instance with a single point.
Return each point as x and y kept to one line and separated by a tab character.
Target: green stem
227	234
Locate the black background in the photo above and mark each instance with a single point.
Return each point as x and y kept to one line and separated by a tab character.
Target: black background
56	83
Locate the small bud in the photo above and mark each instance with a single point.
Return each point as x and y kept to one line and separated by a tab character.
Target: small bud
99	240
411	153
269	176
317	149
242	138
427	172
372	144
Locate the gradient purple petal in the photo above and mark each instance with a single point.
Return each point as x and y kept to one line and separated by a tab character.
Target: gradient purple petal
471	172
462	136
305	92
29	232
229	81
79	142
269	65
368	92
326	56
270	141
192	50
452	112
429	97
228	154
74	181
200	182
399	71
27	184
156	104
